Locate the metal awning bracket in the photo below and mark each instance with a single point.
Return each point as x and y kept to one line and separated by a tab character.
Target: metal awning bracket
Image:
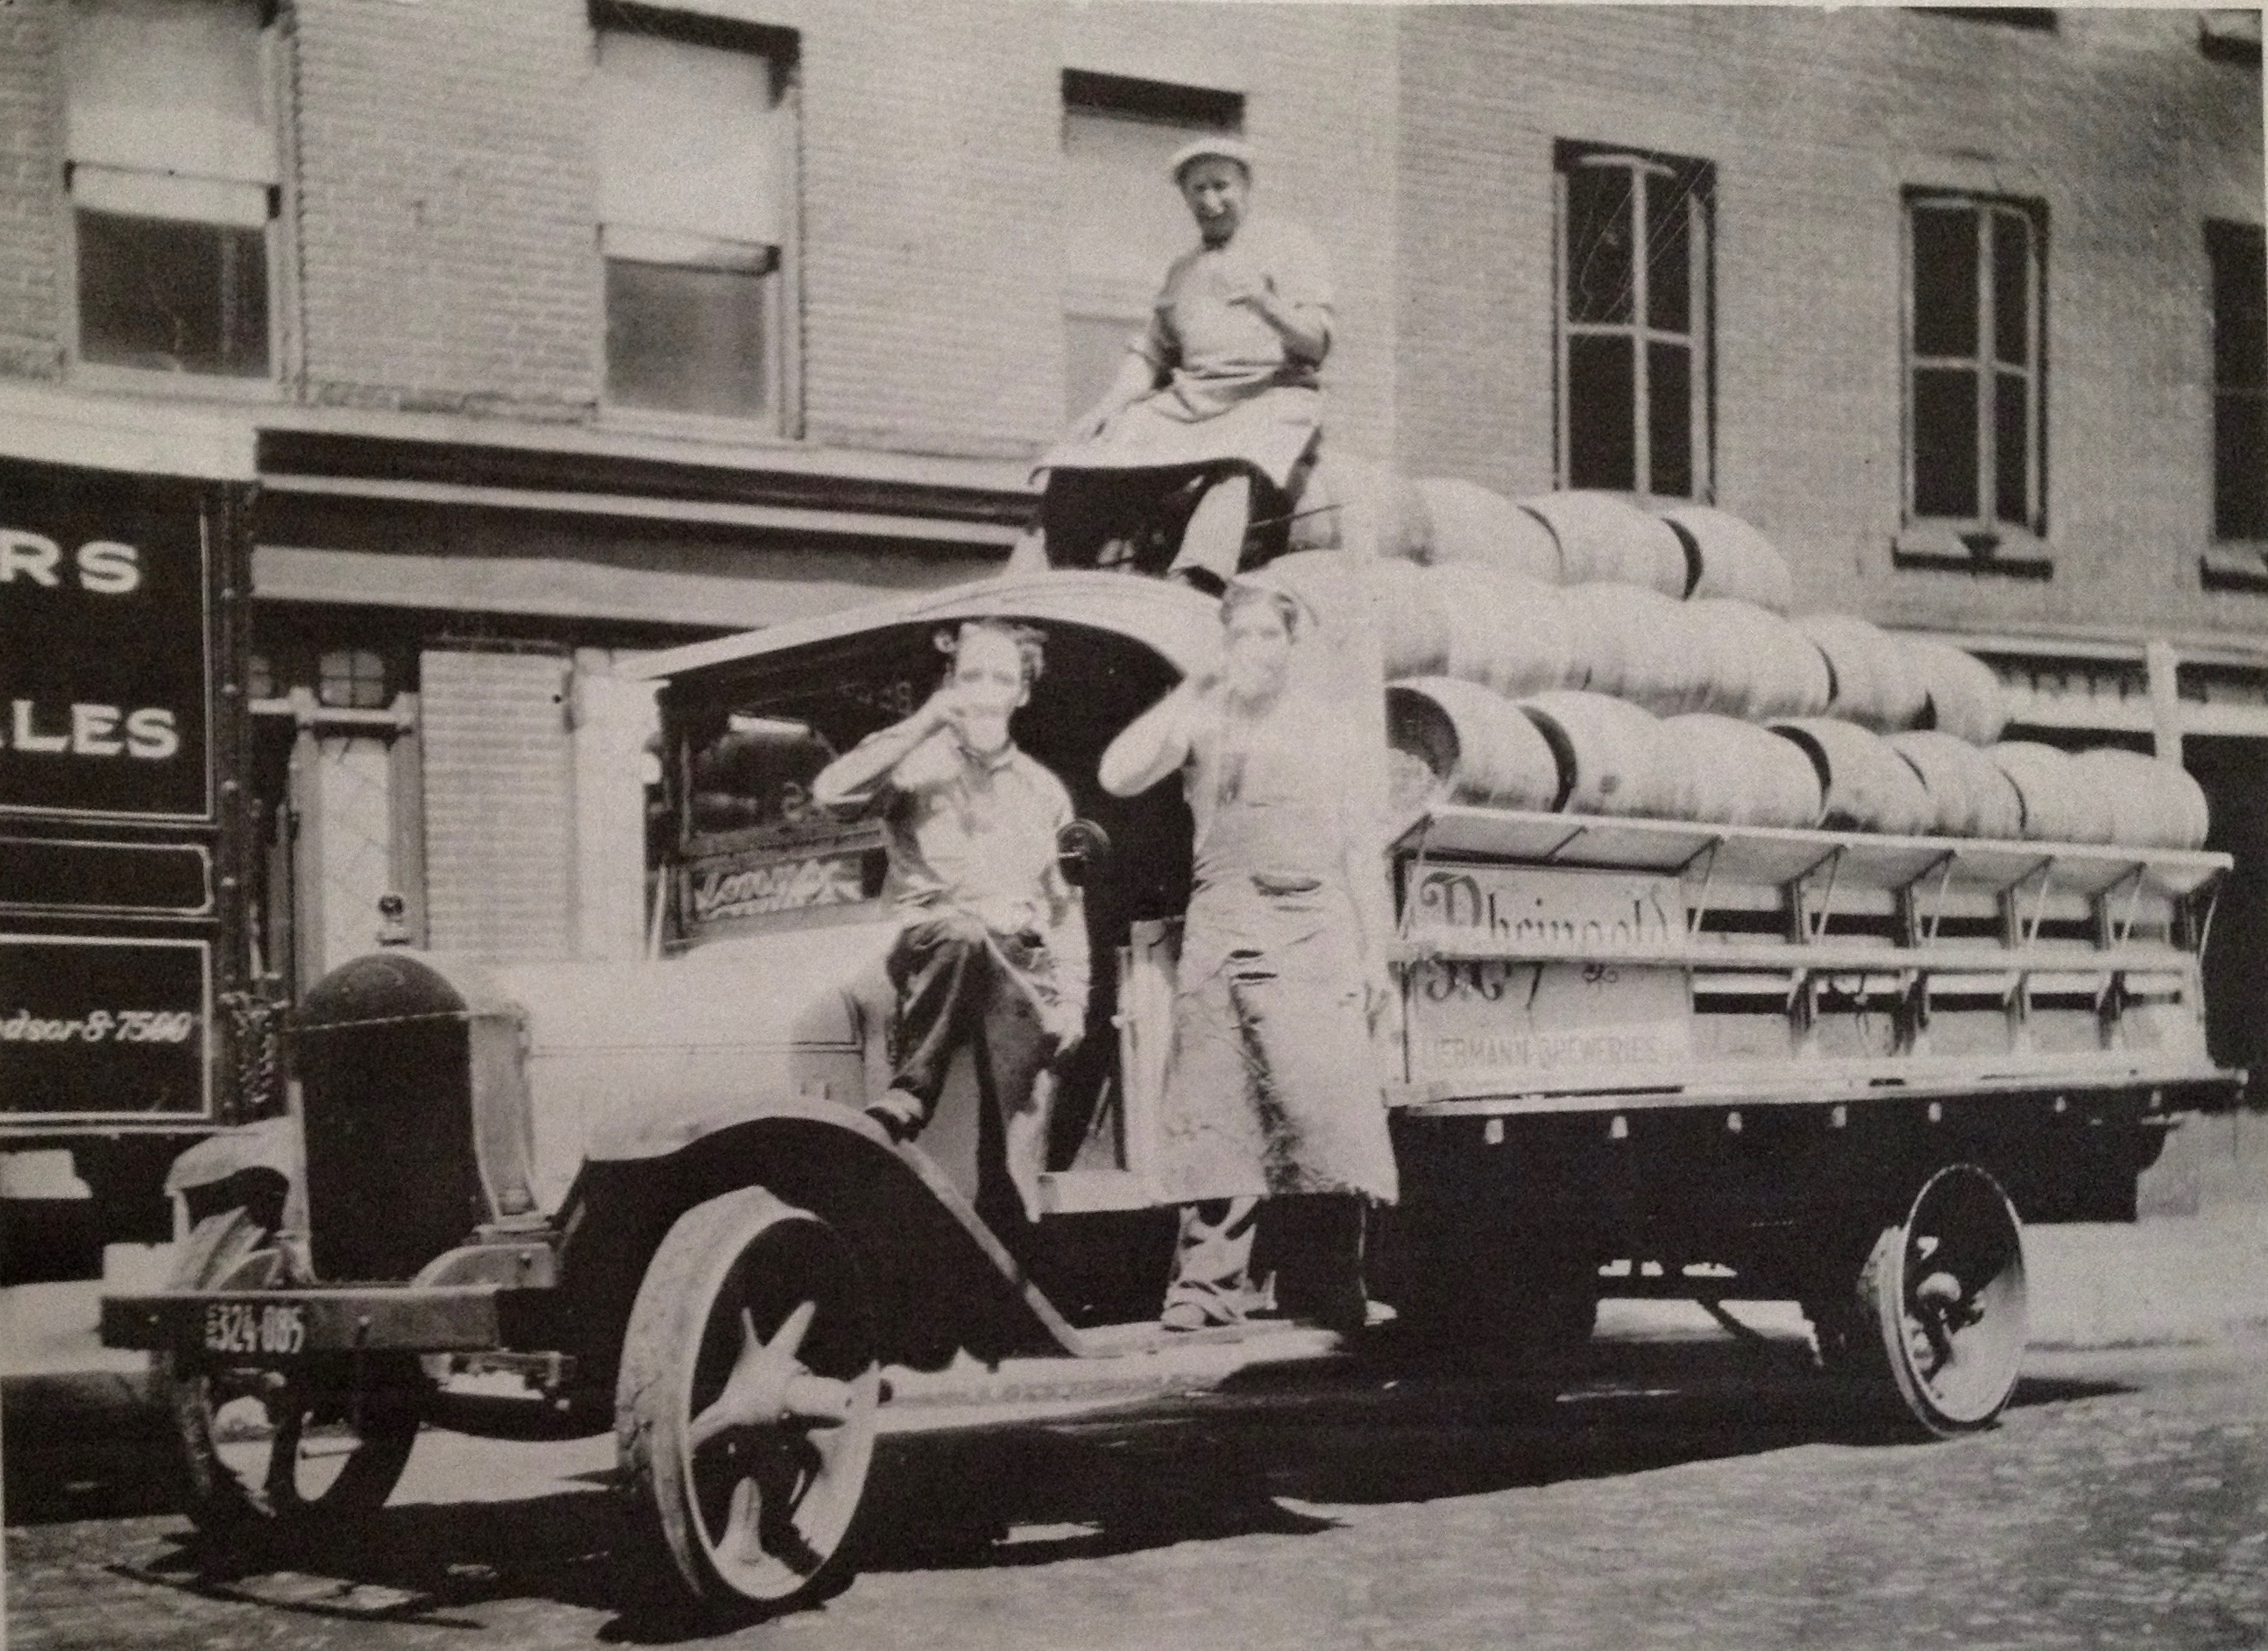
1706	855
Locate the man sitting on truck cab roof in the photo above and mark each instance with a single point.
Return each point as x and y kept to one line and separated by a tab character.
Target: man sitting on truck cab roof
993	946
1219	392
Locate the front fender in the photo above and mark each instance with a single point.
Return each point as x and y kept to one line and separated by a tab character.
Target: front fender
941	1278
272	1144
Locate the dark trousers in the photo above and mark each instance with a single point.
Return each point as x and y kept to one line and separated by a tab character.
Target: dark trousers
1084	510
953	989
956	985
1304	1251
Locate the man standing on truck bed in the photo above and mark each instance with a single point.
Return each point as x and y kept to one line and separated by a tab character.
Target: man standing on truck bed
1220	386
1271	1087
994	942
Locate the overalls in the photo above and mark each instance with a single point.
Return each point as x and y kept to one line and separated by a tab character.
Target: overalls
1271	1088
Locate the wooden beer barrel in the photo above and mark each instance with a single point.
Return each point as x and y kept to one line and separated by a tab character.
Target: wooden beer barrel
2059	806
1964	698
1876	683
1744	774
1605	539
1973	797
1355	505
1867	786
2154	803
1756	665
1413	636
1480	746
1637	644
1725	556
1471	523
1503	631
1611	753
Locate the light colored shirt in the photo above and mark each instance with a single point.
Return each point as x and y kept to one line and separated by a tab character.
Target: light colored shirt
1210	345
978	834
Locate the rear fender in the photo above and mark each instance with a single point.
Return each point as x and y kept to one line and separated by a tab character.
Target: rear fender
941	1279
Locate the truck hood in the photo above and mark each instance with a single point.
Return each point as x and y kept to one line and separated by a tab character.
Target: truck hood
626	1059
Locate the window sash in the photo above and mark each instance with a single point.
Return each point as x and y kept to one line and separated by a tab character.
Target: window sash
1123	222
1989	507
1642	420
170	87
693	140
184	200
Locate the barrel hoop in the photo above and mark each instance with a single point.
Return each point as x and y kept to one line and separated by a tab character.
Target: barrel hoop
1562	752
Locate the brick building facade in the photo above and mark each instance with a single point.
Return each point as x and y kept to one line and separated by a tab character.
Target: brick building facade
519	395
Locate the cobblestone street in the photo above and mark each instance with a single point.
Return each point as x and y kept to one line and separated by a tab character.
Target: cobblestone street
1687	1490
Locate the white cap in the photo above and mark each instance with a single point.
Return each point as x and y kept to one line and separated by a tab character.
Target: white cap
1222	146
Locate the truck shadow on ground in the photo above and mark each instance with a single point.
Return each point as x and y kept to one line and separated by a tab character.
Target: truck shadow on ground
1262	1457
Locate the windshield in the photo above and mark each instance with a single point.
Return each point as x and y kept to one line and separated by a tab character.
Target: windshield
756	774
747	841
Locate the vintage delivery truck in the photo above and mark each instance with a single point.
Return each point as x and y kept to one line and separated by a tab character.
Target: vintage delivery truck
1632	1055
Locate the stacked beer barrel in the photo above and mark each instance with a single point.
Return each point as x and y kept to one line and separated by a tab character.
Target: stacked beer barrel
1575	653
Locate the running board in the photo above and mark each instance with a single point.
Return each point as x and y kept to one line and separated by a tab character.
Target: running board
1117	1366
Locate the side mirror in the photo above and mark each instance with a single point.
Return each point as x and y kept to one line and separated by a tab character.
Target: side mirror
1082	849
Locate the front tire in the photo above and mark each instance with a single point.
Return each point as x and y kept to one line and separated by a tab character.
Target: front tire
745	1413
274	1450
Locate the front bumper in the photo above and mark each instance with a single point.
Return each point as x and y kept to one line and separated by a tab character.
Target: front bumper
256	1326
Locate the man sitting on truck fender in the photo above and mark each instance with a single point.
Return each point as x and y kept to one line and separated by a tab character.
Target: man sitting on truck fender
993	943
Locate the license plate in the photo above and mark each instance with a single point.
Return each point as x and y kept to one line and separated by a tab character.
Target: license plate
244	1327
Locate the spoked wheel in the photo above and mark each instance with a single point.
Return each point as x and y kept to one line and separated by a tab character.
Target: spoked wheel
745	1413
278	1449
1944	1291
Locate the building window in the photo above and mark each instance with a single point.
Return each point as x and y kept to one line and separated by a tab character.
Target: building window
1634	393
1975	380
171	164
2239	381
351	679
1123	221
695	132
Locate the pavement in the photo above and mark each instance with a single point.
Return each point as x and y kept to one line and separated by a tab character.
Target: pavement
2194	1268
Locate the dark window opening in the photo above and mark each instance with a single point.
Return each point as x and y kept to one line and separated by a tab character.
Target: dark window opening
2007	16
2240	380
176	297
1152	100
1975	389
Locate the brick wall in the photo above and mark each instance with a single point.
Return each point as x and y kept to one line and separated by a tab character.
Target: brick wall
499	813
447	257
930	169
445	199
1815	121
31	188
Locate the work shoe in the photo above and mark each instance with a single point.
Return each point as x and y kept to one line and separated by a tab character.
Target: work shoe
898	1114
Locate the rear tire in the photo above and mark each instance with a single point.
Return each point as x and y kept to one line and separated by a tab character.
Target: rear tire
1947	1289
277	1449
1927	1329
745	1413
